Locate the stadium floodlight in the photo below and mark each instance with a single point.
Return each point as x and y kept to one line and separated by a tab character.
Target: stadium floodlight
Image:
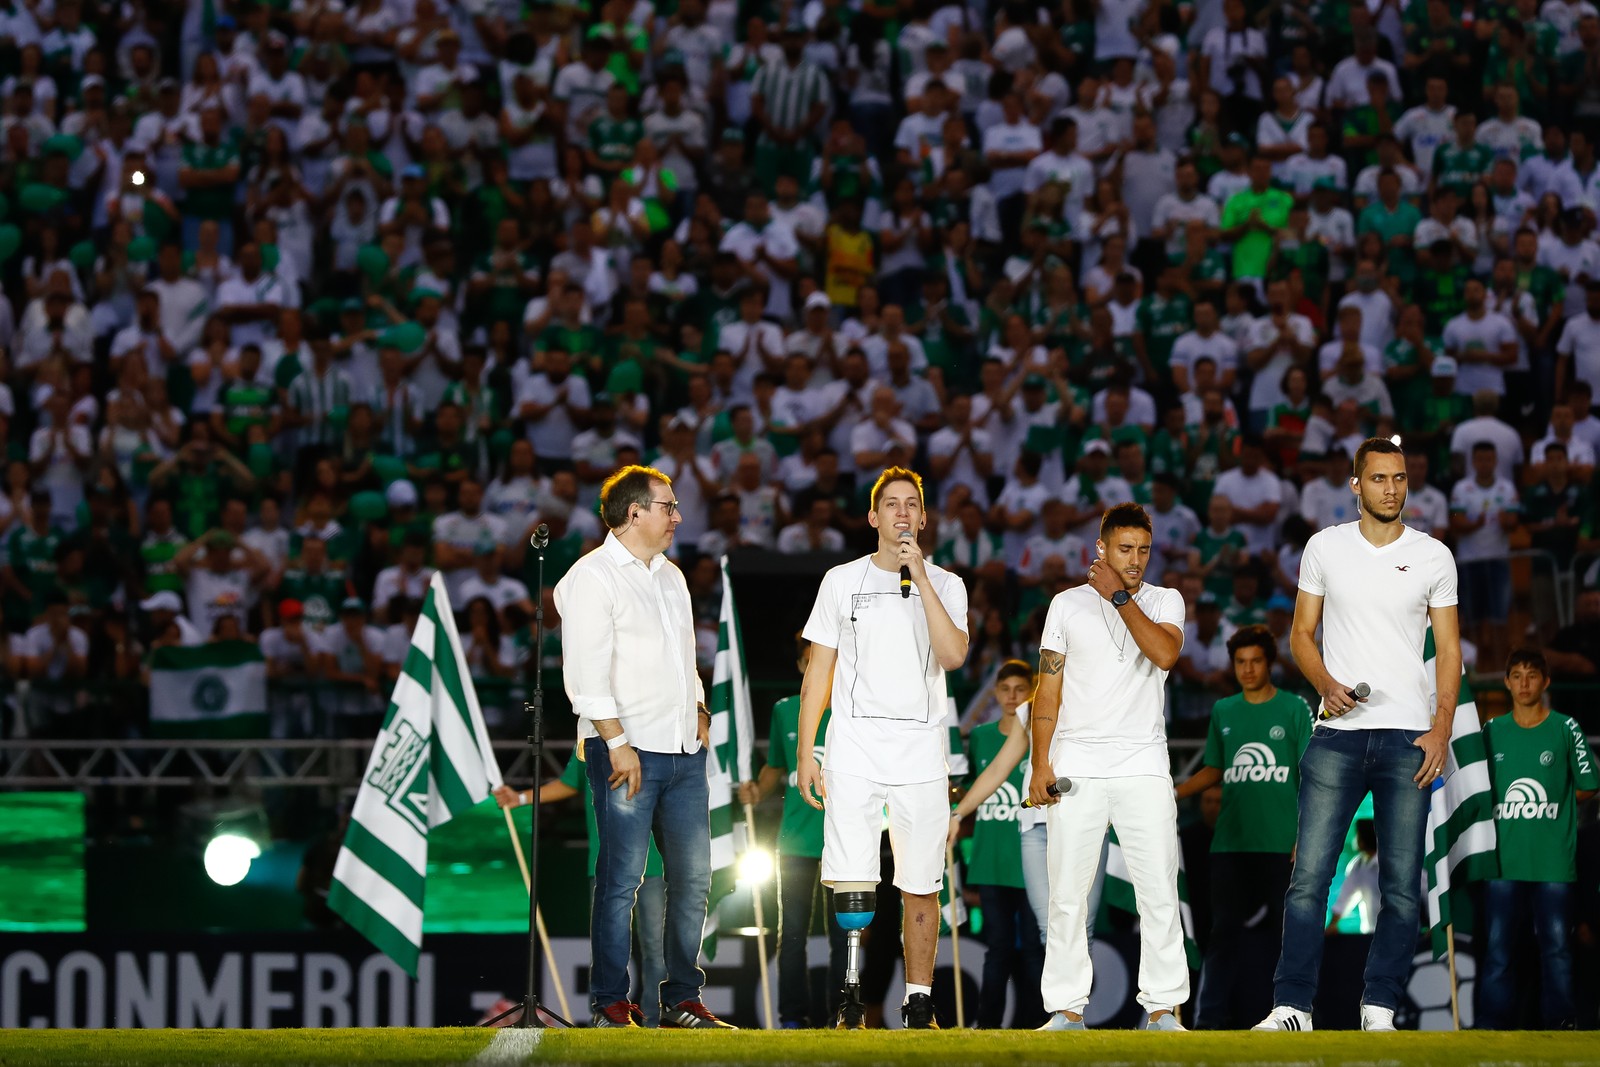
755	867
228	858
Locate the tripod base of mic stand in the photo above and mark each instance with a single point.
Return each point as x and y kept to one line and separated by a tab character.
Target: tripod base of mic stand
530	1010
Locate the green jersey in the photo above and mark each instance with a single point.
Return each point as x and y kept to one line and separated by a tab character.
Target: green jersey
1536	770
215	201
1460	168
614	140
321	594
1162	320
246	404
1257	747
800	832
1211	545
32	557
157	552
574	776
1402	221
996	839
1253	248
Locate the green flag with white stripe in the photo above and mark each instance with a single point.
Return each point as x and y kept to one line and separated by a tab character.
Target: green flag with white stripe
1118	894
1460	838
732	733
432	761
212	690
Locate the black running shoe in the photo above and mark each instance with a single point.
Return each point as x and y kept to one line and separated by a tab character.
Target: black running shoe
917	1013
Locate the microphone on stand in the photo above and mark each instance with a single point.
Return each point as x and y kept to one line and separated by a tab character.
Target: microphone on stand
540	538
905	571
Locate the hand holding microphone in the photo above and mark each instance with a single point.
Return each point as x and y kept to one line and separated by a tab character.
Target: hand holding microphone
1339	700
906	537
1055	789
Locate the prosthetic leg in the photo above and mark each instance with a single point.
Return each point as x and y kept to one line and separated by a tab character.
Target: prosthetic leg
854	905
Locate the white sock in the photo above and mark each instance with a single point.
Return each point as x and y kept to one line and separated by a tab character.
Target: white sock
910	989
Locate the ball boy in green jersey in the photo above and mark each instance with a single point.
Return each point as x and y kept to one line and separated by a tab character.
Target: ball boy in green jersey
1541	769
1253	749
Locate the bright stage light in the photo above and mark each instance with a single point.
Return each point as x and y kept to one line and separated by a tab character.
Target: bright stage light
755	867
228	858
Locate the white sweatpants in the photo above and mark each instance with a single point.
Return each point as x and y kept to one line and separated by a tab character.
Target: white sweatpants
1145	815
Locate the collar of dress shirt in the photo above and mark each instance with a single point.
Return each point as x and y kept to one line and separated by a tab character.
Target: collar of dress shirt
619	554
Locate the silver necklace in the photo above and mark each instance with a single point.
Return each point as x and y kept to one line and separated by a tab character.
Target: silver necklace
1121	647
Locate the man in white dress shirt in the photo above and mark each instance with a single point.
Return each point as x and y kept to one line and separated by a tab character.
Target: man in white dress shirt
627	629
1098	719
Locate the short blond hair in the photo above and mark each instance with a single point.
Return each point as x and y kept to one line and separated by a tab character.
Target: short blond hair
897	474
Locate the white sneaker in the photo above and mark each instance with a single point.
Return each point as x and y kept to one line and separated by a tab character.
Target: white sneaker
1376	1018
1168	1021
1059	1021
1285	1018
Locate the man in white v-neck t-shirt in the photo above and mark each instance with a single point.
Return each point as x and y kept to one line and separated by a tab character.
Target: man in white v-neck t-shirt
880	646
1374	587
1099	720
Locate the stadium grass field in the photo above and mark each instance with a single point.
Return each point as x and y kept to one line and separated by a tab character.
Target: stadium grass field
800	1049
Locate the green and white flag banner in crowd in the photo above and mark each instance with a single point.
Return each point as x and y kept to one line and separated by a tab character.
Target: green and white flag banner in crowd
208	691
1119	894
732	736
1460	838
432	761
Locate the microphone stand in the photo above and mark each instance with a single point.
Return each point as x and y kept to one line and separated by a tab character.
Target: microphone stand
530	1006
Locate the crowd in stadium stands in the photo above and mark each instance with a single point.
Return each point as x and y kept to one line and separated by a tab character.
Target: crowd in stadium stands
303	300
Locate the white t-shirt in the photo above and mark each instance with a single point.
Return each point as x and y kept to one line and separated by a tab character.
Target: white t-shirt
1113	699
1374	619
1488	333
1250	491
1580	340
1489	541
889	706
1507	443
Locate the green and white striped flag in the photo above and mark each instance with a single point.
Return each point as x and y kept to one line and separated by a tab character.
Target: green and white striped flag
732	732
955	750
432	761
210	691
1118	893
1460	838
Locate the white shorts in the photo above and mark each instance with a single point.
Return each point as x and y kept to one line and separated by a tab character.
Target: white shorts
852	831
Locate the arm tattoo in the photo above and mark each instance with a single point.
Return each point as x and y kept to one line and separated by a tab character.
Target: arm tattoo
1051	662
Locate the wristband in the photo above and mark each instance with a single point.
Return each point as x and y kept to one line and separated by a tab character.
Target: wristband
617	742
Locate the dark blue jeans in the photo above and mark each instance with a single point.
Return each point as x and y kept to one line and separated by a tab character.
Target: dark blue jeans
800	893
1507	905
1338	770
1011	937
673	803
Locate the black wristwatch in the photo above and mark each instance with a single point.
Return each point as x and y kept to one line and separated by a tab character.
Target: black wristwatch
1119	598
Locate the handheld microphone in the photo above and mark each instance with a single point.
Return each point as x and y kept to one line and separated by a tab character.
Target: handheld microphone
1055	789
1360	692
905	572
540	537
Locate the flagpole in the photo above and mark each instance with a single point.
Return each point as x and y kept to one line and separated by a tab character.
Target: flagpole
761	925
538	915
955	937
1450	951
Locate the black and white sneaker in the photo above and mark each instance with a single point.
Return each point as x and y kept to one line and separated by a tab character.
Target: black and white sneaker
917	1013
692	1015
1285	1018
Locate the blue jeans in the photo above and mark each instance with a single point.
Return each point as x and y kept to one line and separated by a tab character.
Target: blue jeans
1338	770
1011	936
673	802
1506	906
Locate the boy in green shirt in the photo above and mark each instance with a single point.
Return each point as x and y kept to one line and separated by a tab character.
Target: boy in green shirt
650	908
1541	768
799	861
1253	750
994	866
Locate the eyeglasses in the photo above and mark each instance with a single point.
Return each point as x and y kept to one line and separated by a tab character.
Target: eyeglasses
671	505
